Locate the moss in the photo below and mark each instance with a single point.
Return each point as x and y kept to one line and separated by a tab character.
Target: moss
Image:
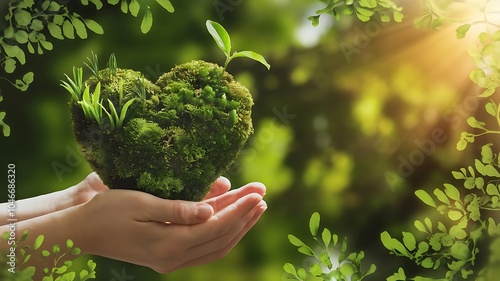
186	130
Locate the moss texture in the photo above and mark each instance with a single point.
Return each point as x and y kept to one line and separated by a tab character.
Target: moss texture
180	134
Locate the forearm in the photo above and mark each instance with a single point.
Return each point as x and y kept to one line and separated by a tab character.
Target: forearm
37	206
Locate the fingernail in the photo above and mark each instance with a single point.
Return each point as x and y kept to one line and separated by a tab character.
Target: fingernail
204	212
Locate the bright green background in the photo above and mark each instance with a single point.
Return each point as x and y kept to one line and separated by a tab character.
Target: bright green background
356	118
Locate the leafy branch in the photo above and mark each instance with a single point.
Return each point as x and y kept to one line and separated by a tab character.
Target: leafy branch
348	266
453	243
59	271
364	10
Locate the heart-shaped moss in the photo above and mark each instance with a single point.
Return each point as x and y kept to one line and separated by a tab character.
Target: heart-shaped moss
178	135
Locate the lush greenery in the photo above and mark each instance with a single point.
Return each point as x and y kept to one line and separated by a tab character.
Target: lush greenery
329	136
61	269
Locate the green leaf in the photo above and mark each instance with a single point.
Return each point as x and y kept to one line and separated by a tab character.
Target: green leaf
326	235
427	263
425	197
24	236
290	269
21	36
94	26
69	243
488	92
386	239
452	192
167	5
487	153
306	250
80	28
56	249
316	270
314	224
491	171
28	77
314	20
474	123
9	65
134	8
347	269
491	108
38	242
420	226
409	241
461	145
220	36
22	17
441	196
252	55
8	32
45	253
147	21
460	250
462	30
295	241
455	215
458	175
55	30
302	273
68	29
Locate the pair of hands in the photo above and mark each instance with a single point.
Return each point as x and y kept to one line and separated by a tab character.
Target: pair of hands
165	235
136	227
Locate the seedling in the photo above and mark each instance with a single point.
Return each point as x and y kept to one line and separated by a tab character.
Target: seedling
223	41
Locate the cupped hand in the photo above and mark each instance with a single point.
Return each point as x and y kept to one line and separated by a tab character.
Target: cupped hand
162	234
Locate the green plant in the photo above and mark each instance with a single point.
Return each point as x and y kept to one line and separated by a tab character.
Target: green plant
223	41
32	25
364	10
347	265
60	271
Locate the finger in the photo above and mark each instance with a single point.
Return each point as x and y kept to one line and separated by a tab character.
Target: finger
172	211
232	217
220	202
205	255
220	186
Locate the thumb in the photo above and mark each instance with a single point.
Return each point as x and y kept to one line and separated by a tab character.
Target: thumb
179	211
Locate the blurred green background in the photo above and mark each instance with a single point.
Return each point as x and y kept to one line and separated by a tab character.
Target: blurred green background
351	119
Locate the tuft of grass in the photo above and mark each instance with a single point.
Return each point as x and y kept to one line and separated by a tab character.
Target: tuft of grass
74	86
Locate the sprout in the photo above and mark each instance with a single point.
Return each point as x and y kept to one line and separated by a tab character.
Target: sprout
223	41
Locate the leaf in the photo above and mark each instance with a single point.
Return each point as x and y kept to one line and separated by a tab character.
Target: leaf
94	26
9	65
441	196
302	273
425	197
386	239
314	224
488	92
474	123
461	145
252	55
306	250
134	8
68	29
427	263
314	20
56	249
45	253
452	192
167	5
38	242
420	226
290	269
455	215
491	108
55	30
462	30
295	241
326	236
80	28
21	36
460	250
22	17
69	243
347	269
409	241
316	270
220	36
458	175
147	21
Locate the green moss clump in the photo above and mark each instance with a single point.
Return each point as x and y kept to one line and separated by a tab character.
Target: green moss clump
180	134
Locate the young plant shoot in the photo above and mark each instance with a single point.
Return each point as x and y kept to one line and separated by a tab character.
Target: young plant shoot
171	138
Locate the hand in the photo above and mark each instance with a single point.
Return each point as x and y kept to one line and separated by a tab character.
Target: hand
166	235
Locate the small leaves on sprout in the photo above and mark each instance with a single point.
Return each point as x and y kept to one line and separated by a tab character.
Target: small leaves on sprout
223	41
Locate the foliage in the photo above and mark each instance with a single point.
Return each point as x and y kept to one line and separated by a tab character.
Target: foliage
31	26
347	265
223	41
365	10
453	243
59	271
